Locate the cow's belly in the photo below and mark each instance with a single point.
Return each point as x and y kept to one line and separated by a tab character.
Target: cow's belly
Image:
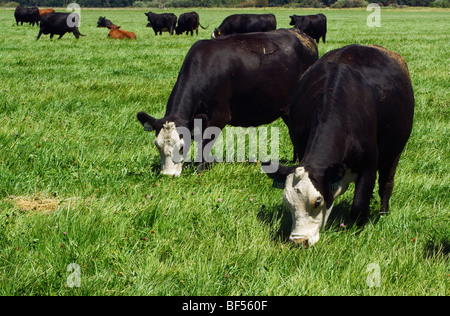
256	109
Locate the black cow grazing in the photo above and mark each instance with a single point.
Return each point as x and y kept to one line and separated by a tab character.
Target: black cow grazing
241	80
351	116
103	22
313	25
60	23
188	22
161	22
245	23
27	15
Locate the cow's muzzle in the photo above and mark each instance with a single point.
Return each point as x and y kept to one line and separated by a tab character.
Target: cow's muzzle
299	241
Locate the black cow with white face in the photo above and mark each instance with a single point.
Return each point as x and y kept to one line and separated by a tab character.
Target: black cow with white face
161	22
242	80
313	25
60	23
245	23
351	116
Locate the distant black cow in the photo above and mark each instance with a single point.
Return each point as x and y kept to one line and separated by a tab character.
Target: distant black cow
60	23
241	80
188	22
313	25
351	115
245	23
103	22
161	22
28	15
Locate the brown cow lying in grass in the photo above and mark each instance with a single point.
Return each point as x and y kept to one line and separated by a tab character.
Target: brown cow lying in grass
114	32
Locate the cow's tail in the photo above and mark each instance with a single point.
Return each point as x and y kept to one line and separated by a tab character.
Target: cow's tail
203	26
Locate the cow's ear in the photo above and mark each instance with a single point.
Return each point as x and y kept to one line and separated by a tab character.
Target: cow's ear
278	175
147	121
335	172
332	176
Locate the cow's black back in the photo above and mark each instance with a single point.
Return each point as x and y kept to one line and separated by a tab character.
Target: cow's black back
246	23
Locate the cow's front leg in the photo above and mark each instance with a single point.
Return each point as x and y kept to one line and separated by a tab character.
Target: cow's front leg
211	130
363	192
206	159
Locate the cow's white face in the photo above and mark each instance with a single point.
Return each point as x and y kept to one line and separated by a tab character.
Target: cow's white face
307	206
170	145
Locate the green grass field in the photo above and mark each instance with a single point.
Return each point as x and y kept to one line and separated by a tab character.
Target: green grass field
80	183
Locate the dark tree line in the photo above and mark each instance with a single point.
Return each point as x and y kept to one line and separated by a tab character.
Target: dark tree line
82	3
223	3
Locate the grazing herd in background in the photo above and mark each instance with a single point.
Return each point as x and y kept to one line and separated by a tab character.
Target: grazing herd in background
349	113
314	26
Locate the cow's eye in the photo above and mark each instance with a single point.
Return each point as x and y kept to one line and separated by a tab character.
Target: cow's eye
318	202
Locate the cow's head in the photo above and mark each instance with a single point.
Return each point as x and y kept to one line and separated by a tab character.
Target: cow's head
149	16
113	27
216	33
169	141
309	198
294	19
101	21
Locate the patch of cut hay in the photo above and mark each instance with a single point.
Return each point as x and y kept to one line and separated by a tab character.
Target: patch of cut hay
35	204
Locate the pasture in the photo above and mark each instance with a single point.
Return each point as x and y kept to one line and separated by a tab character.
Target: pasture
80	182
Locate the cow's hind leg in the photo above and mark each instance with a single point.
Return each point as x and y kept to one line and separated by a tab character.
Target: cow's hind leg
386	173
